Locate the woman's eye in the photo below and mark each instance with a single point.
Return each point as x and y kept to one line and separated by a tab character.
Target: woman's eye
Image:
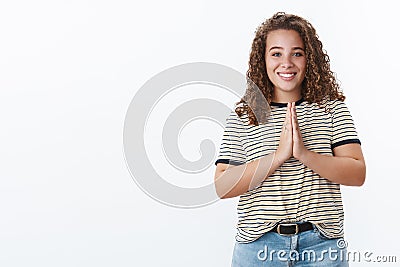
298	54
276	54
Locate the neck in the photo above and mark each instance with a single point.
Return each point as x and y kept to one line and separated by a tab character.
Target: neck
283	97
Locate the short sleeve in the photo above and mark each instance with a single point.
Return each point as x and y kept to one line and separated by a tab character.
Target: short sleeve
231	149
343	129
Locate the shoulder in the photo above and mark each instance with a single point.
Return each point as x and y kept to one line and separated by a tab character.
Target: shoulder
337	106
234	118
336	103
330	106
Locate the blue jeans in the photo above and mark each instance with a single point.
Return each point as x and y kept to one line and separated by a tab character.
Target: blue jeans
309	248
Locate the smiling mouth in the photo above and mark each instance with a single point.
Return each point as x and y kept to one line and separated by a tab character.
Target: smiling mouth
287	75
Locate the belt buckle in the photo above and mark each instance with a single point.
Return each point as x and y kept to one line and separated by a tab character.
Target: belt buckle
278	229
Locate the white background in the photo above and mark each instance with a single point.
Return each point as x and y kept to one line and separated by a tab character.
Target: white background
68	71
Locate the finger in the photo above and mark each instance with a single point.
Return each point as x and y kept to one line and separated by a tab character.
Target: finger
294	117
293	123
296	128
290	123
288	112
292	113
287	118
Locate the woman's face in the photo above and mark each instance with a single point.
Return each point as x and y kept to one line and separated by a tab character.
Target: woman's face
286	64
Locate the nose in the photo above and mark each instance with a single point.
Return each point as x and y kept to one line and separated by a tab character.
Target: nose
286	62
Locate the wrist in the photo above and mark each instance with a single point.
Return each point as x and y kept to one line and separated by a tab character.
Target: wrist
304	157
278	159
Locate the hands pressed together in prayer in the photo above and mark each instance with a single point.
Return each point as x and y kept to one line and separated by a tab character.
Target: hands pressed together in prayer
291	142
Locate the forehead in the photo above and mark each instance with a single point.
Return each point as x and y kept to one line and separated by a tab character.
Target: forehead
284	39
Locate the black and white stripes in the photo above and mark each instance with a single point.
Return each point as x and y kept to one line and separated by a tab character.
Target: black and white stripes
293	192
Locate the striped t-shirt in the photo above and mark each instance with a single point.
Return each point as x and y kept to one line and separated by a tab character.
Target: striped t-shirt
293	193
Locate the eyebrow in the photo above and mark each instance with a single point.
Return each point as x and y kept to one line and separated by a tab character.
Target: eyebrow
294	48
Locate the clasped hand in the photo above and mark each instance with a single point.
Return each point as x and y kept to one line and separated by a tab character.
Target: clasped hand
291	142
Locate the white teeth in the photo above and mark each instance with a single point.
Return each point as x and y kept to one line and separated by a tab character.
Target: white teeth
286	75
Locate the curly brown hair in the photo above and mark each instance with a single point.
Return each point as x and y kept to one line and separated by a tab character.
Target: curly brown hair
319	84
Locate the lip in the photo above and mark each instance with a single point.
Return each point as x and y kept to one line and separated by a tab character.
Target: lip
287	76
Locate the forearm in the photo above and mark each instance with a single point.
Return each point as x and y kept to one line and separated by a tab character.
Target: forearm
341	170
237	180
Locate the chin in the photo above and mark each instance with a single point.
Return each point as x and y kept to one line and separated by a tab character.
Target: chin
288	89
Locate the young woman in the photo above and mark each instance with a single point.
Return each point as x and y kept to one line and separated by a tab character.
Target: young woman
287	152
